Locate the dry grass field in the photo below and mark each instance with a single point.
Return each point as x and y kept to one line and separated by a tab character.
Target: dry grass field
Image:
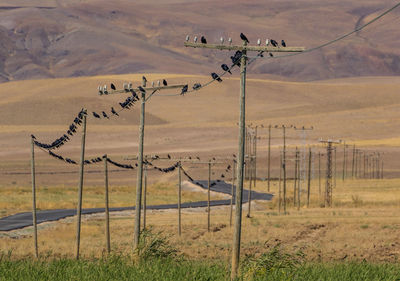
362	225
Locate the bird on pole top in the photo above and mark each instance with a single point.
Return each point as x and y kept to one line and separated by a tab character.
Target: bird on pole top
244	38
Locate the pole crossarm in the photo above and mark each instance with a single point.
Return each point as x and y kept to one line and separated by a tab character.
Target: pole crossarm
127	91
269	49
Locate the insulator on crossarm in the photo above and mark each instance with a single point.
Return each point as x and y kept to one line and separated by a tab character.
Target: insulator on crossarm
187	38
222	40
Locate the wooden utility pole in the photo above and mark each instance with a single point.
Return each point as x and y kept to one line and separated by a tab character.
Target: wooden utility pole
353	163
250	186
344	161
296	163
269	158
145	197
280	179
233	184
139	183
243	66
208	198
319	174
80	188
34	218
106	204
179	197
309	177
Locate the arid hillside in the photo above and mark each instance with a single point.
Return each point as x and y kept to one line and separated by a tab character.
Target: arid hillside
50	38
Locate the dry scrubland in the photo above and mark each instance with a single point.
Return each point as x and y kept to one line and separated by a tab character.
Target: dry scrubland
362	225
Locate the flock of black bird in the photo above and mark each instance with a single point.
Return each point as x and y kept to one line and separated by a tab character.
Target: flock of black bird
64	138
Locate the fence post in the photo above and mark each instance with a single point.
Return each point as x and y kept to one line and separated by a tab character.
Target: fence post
309	177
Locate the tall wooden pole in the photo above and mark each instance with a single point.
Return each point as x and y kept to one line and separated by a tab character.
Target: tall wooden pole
179	197
269	158
295	178
284	170
208	198
34	218
106	204
233	184
255	159
250	186
344	161
309	177
239	187
140	170
280	179
145	196
319	174
353	163
80	189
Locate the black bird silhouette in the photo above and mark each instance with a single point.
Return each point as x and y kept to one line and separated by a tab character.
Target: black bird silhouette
141	89
216	77
203	40
164	82
32	136
274	43
105	115
196	86
225	68
283	43
96	115
198	158
113	111
184	89
169	156
236	58
234	156
144	79
271	55
244	38
113	86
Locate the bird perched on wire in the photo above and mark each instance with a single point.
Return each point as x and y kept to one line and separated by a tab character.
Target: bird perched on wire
112	86
105	115
184	89
169	156
271	55
141	89
225	68
113	111
144	79
164	82
244	38
236	58
283	43
216	77
203	40
196	86
274	43
96	115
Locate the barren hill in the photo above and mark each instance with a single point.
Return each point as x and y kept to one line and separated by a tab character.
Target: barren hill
46	39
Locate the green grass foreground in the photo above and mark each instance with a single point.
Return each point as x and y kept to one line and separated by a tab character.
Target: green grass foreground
117	268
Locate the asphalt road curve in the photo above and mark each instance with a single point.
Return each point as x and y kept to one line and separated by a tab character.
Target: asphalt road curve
22	220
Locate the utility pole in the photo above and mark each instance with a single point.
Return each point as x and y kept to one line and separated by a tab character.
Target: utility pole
344	161
80	188
328	186
139	184
269	158
309	177
34	220
106	204
243	66
302	167
352	165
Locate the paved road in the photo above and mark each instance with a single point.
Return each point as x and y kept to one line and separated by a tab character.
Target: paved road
22	220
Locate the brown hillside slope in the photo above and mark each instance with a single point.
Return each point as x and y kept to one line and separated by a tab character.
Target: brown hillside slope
92	37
